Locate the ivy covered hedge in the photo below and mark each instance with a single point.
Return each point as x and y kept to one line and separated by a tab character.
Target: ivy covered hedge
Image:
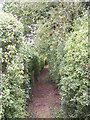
12	66
18	62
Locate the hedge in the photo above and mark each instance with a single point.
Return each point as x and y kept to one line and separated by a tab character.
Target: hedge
18	61
74	82
12	67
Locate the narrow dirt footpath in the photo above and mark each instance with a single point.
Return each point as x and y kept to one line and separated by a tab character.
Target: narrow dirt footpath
44	97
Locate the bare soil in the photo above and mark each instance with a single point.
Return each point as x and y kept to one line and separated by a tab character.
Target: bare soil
44	97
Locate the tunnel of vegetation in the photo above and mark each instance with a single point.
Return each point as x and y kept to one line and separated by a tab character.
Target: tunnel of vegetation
34	34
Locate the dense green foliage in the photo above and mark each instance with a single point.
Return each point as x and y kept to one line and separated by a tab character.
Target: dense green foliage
74	81
65	43
60	33
12	67
18	62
